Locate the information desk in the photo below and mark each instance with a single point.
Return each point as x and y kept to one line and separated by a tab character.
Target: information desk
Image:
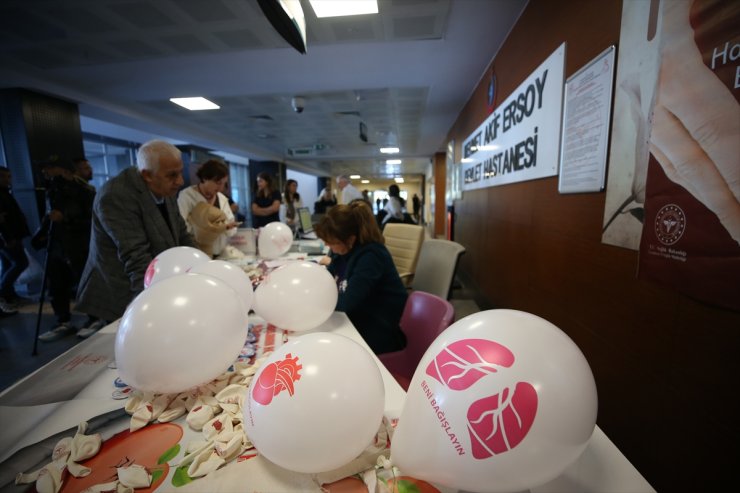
79	386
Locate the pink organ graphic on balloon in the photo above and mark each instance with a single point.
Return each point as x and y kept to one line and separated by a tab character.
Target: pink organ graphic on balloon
276	377
150	271
496	423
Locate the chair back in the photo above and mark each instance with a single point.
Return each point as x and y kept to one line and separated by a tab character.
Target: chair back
436	267
404	241
424	317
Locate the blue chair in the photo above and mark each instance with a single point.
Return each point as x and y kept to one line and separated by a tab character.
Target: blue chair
424	317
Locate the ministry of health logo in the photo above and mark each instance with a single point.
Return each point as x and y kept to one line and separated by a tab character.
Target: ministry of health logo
670	223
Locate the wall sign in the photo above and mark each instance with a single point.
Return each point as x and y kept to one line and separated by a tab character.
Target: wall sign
520	140
586	113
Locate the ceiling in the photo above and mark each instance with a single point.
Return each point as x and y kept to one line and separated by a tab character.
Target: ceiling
404	73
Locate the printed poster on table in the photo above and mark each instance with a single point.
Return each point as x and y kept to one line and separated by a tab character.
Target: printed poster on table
520	140
691	230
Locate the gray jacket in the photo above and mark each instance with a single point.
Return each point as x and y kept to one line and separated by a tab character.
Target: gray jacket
128	231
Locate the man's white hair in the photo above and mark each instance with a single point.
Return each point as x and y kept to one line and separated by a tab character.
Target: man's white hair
149	154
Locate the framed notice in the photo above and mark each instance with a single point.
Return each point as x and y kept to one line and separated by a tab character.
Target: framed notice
586	113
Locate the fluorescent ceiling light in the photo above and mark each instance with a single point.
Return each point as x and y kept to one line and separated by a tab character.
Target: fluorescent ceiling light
354	177
365	181
195	104
389	150
338	8
398	179
393	161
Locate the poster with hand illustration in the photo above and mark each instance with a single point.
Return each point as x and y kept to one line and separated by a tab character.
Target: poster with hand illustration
674	179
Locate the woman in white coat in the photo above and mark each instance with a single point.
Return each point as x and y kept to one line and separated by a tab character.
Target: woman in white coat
212	176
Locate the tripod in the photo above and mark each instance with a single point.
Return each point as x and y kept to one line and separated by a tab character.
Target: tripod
49	244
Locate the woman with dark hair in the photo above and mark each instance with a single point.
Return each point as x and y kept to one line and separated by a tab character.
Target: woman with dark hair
266	202
370	291
212	175
291	203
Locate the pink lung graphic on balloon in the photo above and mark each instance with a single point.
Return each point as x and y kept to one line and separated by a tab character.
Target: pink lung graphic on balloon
150	271
276	377
496	423
500	422
464	362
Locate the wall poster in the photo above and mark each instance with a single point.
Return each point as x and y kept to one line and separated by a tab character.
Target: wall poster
586	112
690	188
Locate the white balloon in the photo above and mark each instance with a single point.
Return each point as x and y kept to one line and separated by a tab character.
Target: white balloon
181	332
274	240
172	262
501	401
231	274
296	296
315	403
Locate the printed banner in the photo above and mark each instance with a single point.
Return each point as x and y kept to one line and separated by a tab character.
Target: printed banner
691	230
520	140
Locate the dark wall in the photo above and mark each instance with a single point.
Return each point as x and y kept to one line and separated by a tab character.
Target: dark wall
665	365
36	128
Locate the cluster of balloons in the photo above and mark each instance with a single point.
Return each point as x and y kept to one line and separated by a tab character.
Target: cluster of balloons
501	401
187	326
191	321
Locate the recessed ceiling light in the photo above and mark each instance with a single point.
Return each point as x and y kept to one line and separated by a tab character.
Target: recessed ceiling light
354	177
336	8
398	179
195	104
393	161
365	181
389	150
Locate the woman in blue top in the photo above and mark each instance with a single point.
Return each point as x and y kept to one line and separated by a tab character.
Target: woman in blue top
370	291
266	203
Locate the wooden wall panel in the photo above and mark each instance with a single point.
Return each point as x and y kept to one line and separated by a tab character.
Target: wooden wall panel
665	365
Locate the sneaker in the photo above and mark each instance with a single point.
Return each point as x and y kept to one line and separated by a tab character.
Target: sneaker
56	333
86	332
8	306
7	313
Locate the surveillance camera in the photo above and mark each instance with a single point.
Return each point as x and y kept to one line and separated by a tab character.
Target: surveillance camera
298	104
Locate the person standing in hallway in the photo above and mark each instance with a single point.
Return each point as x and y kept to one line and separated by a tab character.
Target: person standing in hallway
291	203
13	228
347	190
70	199
135	218
266	202
212	177
416	203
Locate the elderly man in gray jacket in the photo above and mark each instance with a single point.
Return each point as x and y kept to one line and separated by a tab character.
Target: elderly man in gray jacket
135	217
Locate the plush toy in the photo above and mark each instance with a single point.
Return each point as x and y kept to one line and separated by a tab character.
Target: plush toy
208	223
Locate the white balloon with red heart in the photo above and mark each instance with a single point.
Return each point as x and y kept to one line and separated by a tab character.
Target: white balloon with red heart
274	240
315	403
173	262
502	400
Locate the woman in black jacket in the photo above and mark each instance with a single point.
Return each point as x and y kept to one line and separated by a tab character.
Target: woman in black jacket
370	291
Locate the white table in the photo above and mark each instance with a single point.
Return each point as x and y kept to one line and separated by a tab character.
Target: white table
601	468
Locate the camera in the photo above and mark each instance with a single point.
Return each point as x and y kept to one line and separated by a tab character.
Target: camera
298	103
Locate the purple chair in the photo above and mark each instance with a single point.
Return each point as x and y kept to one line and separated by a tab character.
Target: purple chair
424	317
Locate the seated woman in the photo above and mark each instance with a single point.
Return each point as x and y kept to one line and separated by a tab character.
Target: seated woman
370	291
212	175
266	202
291	203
